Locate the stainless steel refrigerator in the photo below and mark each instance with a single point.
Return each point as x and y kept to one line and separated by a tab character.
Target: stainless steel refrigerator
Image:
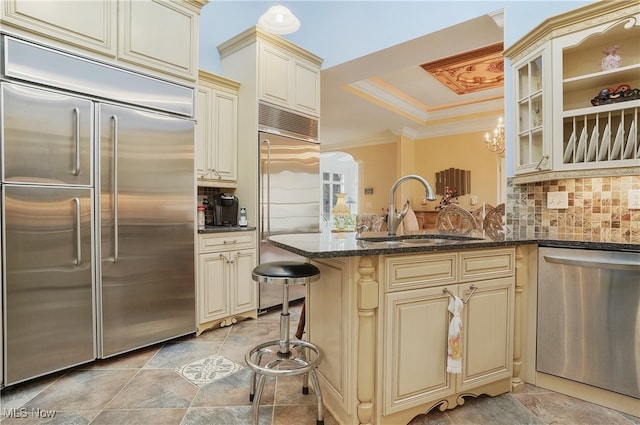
289	201
146	222
97	210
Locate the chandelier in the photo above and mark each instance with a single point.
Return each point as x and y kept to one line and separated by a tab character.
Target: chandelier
495	142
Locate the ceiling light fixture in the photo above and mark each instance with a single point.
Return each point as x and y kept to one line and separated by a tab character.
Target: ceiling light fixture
279	20
495	142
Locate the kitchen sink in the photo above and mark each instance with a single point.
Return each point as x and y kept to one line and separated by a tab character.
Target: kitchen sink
417	239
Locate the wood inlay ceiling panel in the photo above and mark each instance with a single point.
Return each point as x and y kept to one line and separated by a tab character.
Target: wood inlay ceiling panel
472	71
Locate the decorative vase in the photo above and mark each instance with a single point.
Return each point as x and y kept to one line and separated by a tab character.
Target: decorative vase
612	60
341	214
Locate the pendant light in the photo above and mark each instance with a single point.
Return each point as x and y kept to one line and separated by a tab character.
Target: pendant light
279	20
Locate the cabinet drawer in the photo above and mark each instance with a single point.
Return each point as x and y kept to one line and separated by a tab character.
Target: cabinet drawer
419	271
225	241
486	264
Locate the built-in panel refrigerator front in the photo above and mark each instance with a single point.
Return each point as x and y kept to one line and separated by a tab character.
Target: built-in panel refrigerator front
146	191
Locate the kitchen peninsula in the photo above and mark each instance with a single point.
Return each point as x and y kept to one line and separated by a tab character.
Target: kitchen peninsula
379	312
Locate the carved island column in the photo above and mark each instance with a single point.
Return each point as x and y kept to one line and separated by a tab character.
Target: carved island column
519	315
367	306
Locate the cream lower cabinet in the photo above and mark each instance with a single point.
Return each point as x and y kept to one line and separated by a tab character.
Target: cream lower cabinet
416	352
383	323
487	323
416	325
226	292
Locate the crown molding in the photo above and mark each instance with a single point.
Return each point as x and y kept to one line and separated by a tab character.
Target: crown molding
255	33
368	89
382	138
424	115
574	20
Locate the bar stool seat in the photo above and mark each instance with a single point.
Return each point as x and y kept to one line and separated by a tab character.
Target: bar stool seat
283	357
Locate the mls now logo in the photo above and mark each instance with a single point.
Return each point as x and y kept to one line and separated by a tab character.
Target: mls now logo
23	412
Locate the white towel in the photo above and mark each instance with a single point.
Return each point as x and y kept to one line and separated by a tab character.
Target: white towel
454	350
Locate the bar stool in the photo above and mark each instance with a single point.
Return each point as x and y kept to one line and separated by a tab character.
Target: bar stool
284	357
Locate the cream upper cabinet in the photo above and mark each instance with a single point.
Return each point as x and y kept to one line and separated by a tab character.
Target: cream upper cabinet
160	35
532	148
280	72
287	80
90	25
216	130
131	33
573	116
225	291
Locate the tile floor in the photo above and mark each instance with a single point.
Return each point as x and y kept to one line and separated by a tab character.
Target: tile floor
203	380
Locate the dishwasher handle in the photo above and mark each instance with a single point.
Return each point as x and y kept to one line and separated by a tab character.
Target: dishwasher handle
598	263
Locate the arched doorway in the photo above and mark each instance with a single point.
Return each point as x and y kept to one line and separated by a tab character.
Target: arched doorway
338	174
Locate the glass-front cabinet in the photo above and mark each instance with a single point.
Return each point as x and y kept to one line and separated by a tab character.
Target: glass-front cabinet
532	146
577	93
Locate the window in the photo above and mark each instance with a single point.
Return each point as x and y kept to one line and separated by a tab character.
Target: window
332	183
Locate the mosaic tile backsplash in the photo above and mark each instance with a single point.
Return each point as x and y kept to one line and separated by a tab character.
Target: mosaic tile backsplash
598	210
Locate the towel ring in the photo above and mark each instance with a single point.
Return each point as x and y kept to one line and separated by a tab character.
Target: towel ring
474	288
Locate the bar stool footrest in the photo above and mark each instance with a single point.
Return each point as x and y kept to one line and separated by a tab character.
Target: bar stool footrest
253	358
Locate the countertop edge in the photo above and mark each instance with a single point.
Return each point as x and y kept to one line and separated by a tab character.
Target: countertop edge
225	229
457	245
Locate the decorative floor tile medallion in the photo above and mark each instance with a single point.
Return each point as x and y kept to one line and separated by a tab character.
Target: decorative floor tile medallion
207	370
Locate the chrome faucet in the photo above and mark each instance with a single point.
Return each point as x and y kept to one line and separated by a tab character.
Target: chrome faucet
396	218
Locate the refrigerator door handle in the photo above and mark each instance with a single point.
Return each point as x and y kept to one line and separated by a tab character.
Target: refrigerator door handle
78	218
76	115
114	121
266	195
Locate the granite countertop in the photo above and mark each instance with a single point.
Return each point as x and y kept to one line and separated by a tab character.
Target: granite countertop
222	229
326	245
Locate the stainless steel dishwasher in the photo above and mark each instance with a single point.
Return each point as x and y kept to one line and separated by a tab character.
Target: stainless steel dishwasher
589	317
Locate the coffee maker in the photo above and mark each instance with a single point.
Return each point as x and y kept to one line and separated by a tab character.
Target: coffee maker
225	210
